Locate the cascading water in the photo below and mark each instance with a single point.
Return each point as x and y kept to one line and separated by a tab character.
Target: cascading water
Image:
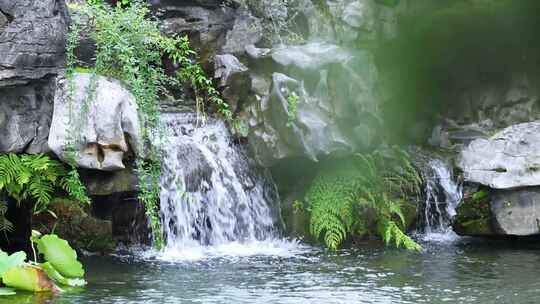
443	195
212	195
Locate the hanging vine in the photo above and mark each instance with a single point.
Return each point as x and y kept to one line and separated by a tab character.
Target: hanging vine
130	47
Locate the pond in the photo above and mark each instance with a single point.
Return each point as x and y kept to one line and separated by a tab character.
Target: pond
462	271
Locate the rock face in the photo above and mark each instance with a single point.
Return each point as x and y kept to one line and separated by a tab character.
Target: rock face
25	117
32	45
509	159
109	123
32	50
325	103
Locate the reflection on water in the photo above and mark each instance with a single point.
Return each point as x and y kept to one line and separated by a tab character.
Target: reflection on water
460	272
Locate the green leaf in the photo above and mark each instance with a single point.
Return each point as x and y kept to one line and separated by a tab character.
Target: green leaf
58	252
59	278
28	278
5	291
10	261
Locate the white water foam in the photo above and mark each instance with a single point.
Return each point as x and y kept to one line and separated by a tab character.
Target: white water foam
214	201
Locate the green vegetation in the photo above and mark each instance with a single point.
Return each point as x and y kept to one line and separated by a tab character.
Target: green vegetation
364	195
130	47
36	177
60	267
292	108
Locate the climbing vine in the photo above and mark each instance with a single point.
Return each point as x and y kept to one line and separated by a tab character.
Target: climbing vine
130	47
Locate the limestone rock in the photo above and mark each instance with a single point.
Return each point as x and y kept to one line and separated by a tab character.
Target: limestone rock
516	212
33	43
509	159
108	128
25	117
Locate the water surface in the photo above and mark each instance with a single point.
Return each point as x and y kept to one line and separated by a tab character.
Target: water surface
463	271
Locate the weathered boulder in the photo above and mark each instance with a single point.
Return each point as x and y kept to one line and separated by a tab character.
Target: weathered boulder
33	43
25	117
509	159
516	212
105	126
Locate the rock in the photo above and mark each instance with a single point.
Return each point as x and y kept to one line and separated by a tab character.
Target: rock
33	43
25	117
233	79
257	53
247	30
336	110
107	183
473	215
312	133
311	56
77	226
3	22
108	129
509	159
516	212
207	26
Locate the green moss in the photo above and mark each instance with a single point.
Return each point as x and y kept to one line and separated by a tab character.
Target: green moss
73	223
474	215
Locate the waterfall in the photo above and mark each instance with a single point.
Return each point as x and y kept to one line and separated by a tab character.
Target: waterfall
211	192
443	194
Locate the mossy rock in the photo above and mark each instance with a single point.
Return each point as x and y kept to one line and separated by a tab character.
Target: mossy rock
473	215
74	224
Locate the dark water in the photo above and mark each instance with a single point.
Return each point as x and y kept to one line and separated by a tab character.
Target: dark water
461	272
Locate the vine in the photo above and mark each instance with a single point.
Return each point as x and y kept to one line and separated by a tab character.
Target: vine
130	47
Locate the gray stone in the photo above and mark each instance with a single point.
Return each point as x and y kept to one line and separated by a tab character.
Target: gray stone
516	212
25	117
312	56
3	22
206	26
509	159
107	183
245	31
108	128
257	53
33	44
233	79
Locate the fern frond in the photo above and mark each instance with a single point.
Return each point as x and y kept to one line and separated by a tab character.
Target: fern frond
389	231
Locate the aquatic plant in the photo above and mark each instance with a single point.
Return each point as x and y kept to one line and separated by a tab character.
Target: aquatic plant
36	177
342	195
130	47
60	267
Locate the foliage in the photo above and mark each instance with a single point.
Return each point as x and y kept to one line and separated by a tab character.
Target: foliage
292	108
341	196
5	224
37	177
60	255
60	267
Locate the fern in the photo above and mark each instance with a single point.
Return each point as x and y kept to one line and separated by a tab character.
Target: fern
36	177
340	196
331	198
